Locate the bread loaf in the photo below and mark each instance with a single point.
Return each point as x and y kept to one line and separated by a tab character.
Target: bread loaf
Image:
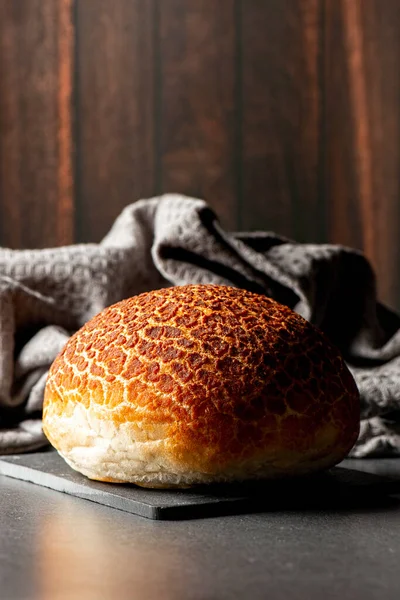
199	384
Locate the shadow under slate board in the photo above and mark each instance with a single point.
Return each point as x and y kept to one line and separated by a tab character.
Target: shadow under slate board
338	488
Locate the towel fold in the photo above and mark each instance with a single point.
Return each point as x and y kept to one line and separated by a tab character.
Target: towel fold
46	295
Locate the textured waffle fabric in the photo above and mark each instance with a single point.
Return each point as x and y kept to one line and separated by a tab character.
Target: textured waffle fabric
45	295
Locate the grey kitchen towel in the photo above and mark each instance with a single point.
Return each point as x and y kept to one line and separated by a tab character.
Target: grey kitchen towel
46	295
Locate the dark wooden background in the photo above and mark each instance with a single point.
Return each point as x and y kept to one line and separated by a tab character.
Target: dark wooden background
283	114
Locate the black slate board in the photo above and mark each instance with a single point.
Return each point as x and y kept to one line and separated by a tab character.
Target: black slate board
336	488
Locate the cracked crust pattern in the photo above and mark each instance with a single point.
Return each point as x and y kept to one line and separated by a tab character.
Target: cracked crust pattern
199	383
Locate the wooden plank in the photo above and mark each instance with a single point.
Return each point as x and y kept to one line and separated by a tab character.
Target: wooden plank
36	196
197	103
115	110
362	87
282	113
340	183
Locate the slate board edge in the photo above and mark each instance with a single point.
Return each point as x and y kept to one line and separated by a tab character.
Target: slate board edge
60	484
9	467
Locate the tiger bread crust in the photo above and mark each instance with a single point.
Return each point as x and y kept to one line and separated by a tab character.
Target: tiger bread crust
199	384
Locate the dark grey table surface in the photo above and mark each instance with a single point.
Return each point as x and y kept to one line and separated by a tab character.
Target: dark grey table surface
57	547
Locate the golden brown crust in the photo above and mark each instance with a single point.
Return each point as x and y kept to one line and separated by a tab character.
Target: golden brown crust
223	375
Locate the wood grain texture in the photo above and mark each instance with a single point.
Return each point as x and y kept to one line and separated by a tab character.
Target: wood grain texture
36	189
282	114
362	87
115	110
281	99
198	117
